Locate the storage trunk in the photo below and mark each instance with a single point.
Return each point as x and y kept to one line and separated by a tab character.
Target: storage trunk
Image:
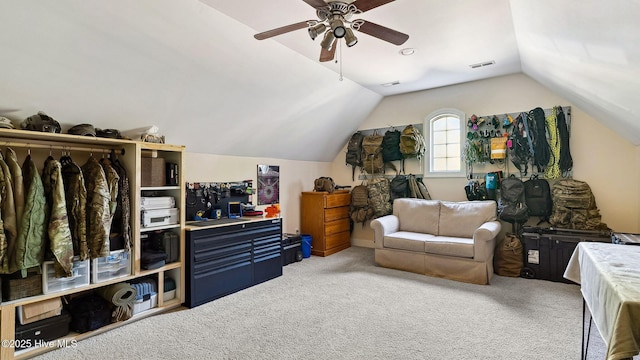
39	332
547	251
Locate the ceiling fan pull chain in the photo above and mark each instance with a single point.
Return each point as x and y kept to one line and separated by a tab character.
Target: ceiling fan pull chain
340	54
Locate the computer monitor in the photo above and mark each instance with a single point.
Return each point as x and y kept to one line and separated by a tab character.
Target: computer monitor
234	210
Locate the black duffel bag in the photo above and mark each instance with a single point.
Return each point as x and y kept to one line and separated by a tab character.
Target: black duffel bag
89	312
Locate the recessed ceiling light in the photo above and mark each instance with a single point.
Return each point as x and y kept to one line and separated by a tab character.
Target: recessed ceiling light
391	83
408	51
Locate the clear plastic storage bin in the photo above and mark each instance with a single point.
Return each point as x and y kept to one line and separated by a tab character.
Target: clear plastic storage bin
51	283
116	265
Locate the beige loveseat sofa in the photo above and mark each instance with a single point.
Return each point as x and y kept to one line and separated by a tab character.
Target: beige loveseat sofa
453	240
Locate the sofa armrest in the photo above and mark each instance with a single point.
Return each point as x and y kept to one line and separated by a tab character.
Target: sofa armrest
484	240
382	226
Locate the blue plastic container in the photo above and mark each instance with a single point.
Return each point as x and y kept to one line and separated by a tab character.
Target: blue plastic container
306	245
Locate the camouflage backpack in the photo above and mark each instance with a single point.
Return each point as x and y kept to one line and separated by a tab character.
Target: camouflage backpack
574	206
380	197
372	154
412	142
359	210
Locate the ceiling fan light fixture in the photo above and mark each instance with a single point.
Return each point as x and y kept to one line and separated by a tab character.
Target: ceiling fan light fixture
316	30
339	31
328	40
350	38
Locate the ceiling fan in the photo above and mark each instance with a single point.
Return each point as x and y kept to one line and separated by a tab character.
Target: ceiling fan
333	16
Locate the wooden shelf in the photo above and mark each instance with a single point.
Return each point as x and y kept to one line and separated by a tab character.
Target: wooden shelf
37	144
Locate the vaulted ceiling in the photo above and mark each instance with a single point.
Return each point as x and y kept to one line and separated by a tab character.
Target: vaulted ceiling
193	68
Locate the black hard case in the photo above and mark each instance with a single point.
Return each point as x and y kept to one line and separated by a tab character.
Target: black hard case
42	331
553	248
291	249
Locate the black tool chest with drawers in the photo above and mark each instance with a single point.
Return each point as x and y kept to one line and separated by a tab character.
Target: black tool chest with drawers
547	251
224	259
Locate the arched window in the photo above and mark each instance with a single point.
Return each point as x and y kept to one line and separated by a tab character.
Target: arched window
444	143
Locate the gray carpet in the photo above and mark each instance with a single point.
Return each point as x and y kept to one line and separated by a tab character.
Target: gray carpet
345	307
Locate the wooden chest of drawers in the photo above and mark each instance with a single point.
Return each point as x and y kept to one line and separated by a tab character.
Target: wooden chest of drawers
325	217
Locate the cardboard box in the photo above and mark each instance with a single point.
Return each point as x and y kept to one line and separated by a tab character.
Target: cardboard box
40	310
152	171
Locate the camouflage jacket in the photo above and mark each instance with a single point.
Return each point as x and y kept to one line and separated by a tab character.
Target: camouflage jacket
18	184
76	201
8	210
30	245
60	242
98	208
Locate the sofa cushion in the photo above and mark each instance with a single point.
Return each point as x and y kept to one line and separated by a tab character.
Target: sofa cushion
461	219
450	246
404	240
417	215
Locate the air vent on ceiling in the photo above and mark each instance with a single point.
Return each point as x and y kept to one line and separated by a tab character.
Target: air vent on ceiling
391	83
482	64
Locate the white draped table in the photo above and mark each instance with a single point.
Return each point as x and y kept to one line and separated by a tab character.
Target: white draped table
609	277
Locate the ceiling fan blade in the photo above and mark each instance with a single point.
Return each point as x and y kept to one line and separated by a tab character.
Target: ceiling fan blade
382	33
327	55
366	5
316	3
281	30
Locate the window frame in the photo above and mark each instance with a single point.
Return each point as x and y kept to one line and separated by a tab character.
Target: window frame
428	126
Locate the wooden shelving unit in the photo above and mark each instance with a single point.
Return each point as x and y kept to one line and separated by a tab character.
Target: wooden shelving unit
40	145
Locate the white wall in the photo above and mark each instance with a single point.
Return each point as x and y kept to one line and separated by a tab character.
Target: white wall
601	158
295	177
607	162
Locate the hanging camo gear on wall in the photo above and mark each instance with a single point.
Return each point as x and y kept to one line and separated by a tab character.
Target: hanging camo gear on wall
542	152
417	189
372	154
354	152
412	144
359	209
574	206
379	197
566	161
553	167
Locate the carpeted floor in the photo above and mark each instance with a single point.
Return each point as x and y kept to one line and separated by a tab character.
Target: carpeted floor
344	307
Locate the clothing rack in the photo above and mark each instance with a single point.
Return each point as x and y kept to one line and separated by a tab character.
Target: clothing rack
91	149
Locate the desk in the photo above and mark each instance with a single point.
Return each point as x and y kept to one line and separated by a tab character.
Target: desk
609	276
